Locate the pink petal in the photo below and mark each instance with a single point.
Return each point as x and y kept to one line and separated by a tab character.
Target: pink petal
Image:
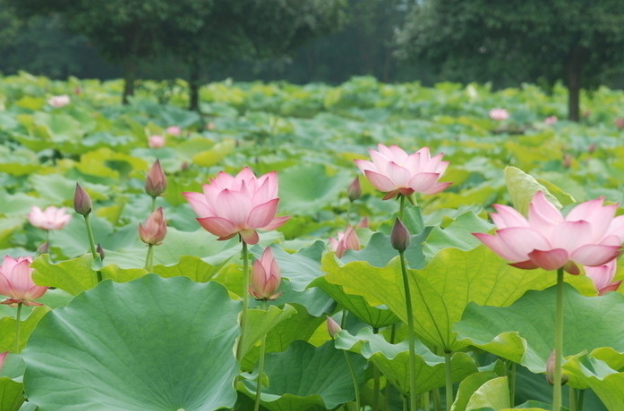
198	203
234	206
506	216
499	247
398	154
550	259
595	254
525	265
398	174
364	165
617	227
611	287
381	182
570	235
520	241
263	214
277	222
543	214
436	188
218	226
423	181
251	237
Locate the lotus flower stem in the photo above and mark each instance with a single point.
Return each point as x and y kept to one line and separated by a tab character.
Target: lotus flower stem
558	342
512	384
356	386
449	379
243	321
376	381
260	367
389	386
17	327
411	335
94	252
149	258
153	204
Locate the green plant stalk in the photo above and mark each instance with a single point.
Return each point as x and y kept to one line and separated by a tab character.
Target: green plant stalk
512	384
388	390
94	252
437	399
356	386
153	204
260	367
149	258
411	334
572	399
243	322
558	342
376	381
449	379
17	327
580	399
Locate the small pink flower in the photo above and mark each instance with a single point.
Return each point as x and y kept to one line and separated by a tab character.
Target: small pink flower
59	101
265	277
332	327
16	282
156	141
549	121
345	241
2	358
51	218
589	235
499	114
155	228
240	204
156	181
602	276
395	172
173	130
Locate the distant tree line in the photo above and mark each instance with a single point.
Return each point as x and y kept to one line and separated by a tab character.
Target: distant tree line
577	42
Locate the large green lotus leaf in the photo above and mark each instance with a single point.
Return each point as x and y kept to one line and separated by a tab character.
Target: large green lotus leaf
18	204
493	393
307	188
302	267
441	291
320	380
379	252
193	267
299	326
606	382
468	386
374	316
215	155
73	276
522	187
149	344
393	360
457	234
8	226
260	322
105	162
523	332
27	325
11	394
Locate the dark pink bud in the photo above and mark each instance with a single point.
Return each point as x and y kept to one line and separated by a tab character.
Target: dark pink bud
400	236
332	327
355	190
155	228
100	251
550	370
82	201
156	182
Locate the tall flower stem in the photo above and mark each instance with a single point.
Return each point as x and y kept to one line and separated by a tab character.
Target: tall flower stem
376	381
411	334
149	258
512	384
17	327
356	386
94	252
243	321
153	204
449	379
558	342
260	366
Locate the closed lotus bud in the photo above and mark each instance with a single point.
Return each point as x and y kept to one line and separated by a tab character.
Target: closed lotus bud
332	327
156	182
2	358
43	248
400	236
355	190
100	251
82	201
155	228
265	277
550	370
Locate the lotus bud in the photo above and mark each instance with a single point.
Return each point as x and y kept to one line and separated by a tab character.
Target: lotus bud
156	181
100	251
550	370
332	327
43	248
2	358
155	228
355	190
400	236
265	277
82	201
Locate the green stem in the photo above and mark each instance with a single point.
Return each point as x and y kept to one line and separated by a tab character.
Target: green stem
17	327
401	206
243	321
356	386
388	391
149	258
411	334
512	384
572	398
449	379
581	398
558	342
94	252
437	399
260	367
376	381
153	204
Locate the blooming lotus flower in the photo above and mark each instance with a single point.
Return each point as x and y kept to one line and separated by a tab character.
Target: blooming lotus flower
51	218
395	172
156	141
265	277
16	282
240	204
602	276
155	228
59	101
345	241
174	130
499	114
588	235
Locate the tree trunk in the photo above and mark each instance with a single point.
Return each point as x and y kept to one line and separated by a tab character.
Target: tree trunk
574	80
129	73
194	85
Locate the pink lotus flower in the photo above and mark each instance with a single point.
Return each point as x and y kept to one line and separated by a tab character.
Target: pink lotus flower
155	228
549	121
51	218
156	141
16	282
395	172
333	328
602	276
265	277
156	181
499	114
345	241
240	204
588	235
174	130
59	101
